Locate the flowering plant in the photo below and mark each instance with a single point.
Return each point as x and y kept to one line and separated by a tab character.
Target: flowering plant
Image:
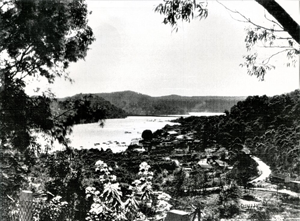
107	198
53	210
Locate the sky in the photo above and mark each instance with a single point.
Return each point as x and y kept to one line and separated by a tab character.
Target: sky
135	51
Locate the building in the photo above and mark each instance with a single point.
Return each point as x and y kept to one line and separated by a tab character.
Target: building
279	178
294	186
204	164
177	215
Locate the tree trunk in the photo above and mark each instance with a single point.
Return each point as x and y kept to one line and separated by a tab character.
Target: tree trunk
287	22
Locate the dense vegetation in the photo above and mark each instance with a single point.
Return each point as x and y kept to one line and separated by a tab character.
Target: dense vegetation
268	126
139	104
86	109
39	39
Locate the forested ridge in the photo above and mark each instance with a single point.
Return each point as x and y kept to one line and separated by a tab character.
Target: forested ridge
268	126
140	104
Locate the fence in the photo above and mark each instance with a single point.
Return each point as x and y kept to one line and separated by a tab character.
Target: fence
24	211
30	208
26	206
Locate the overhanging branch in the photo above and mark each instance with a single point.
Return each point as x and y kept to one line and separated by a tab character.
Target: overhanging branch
266	61
285	20
247	20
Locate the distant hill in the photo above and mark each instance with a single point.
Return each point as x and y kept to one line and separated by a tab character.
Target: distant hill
139	104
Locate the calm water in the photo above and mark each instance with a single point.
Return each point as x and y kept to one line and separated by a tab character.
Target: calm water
118	133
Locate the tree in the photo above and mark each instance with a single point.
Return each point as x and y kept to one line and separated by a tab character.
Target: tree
147	135
228	201
267	37
39	38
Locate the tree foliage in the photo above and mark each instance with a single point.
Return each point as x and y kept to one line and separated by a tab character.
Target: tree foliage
181	10
86	108
228	201
281	33
39	38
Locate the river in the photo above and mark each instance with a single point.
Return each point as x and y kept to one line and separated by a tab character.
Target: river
118	133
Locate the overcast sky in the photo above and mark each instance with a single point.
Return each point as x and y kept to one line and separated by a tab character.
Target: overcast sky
135	51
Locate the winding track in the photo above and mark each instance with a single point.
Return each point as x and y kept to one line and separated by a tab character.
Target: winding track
265	173
264	170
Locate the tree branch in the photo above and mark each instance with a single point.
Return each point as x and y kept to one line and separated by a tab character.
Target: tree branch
247	20
276	23
282	38
287	47
25	52
286	21
266	61
64	113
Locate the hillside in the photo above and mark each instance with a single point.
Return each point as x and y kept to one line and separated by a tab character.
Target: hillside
140	104
199	162
87	108
267	126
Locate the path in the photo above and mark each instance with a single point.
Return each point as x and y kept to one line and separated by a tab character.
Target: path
283	191
264	170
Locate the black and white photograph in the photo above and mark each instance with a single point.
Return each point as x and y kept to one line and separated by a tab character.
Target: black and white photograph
149	110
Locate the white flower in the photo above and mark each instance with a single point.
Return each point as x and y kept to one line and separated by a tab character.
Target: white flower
150	177
57	198
144	166
136	182
90	189
64	203
113	178
96	208
163	206
99	163
163	196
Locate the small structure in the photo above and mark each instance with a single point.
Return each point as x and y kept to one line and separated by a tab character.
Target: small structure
279	178
246	150
204	164
177	215
140	150
294	186
221	163
172	132
135	141
197	141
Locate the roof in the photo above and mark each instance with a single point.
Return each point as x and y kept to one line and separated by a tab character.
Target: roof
172	132
221	163
180	137
279	176
295	181
246	150
203	163
181	212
